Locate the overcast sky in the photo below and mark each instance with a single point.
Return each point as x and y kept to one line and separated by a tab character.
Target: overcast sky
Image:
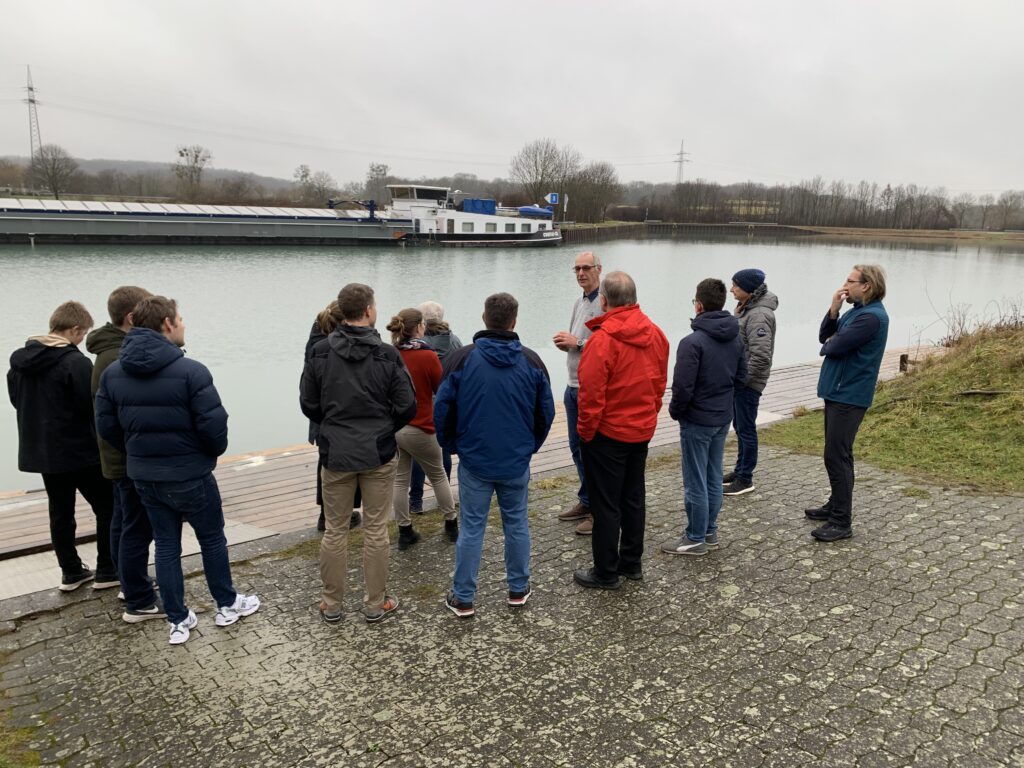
890	91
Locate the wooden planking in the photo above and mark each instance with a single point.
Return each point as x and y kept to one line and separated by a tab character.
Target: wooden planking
276	489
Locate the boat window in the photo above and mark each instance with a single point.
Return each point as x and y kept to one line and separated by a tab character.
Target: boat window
467	226
401	193
510	227
541	226
524	228
491	227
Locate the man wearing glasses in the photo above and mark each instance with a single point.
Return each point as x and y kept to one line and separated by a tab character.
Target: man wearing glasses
852	346
587	307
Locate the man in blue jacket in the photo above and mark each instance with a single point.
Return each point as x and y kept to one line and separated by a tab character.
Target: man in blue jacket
710	365
162	410
852	346
494	410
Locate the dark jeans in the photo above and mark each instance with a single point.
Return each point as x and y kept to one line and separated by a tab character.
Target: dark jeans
417	477
131	543
170	504
60	490
744	421
841	424
571	401
615	485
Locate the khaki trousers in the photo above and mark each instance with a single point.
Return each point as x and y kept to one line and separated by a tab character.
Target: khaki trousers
414	443
339	492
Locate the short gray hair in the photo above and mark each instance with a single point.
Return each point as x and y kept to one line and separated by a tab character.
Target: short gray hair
618	289
432	311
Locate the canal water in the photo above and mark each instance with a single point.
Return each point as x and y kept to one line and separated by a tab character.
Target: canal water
248	311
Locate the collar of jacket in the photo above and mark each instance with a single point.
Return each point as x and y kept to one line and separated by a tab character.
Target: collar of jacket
496	335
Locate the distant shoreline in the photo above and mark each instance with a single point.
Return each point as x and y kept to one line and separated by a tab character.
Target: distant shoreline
967	236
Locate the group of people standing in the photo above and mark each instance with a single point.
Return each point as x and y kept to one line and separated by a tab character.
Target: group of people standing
383	416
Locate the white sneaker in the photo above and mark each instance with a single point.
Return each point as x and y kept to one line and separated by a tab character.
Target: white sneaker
245	605
179	631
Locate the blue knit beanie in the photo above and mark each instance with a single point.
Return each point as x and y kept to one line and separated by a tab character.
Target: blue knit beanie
749	279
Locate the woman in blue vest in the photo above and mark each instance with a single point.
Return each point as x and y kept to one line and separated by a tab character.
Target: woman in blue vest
852	346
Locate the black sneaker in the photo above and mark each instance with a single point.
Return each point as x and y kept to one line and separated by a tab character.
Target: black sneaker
71	581
818	513
829	532
456	606
137	615
407	536
451	530
636	575
737	487
585	577
728	477
106	580
711	539
517	599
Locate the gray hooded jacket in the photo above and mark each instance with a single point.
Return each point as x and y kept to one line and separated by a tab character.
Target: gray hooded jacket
757	330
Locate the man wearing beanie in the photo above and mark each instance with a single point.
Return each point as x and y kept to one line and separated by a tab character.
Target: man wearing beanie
755	310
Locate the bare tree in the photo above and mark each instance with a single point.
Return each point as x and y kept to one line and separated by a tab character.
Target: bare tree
53	169
377	182
189	169
985	203
961	205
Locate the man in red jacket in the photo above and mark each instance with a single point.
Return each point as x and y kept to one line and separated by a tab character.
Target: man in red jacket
623	373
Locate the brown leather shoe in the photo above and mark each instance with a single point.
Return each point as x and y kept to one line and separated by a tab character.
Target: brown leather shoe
586	528
577	512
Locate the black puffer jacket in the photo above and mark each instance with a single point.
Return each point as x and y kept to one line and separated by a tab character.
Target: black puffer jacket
49	387
358	390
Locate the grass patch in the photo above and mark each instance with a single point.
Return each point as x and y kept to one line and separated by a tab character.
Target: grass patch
12	745
553	483
956	419
916	493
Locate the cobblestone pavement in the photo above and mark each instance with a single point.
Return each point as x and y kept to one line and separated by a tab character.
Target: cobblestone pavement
902	646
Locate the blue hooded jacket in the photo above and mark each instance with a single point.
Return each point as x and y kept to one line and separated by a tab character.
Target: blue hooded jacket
710	366
161	409
494	407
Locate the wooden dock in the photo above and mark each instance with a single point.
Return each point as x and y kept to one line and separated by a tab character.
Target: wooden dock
274	491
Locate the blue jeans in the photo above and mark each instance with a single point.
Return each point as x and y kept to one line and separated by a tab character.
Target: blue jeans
169	504
417	477
474	503
131	545
703	448
744	421
571	401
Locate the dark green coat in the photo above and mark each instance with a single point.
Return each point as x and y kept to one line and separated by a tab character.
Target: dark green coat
105	343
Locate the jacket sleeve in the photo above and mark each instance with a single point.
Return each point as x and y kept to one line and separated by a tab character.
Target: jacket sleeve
827	329
446	412
208	414
543	409
684	378
593	374
108	425
402	395
759	334
851	337
742	369
12	387
434	372
309	391
661	381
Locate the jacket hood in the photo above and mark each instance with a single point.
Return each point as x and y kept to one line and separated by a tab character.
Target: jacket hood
626	324
353	342
502	349
104	339
144	352
720	326
762	297
36	357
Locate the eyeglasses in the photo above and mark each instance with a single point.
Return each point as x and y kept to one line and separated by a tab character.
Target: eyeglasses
695	302
862	282
584	268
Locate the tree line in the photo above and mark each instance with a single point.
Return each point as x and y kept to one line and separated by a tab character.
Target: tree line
591	189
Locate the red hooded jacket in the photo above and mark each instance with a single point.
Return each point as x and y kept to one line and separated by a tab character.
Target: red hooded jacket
623	374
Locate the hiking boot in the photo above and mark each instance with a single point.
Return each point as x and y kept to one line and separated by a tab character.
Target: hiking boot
407	536
818	513
517	599
830	532
71	581
451	530
586	577
636	575
355	520
737	487
684	546
577	512
244	605
389	606
456	606
728	477
138	615
105	580
711	540
586	528
329	616
180	631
